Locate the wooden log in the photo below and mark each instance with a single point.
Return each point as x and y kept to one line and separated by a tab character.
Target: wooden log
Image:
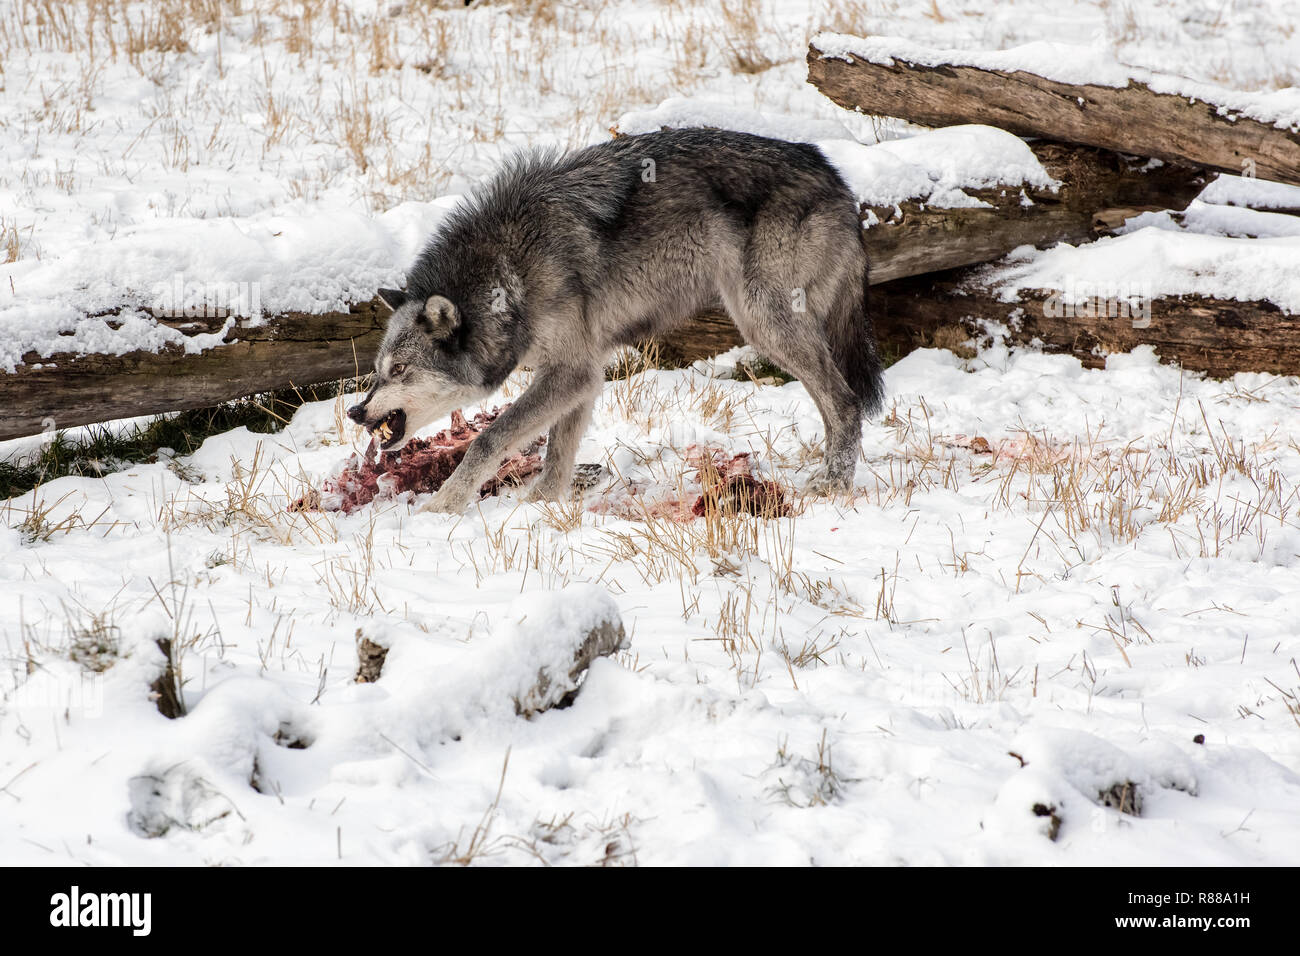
1217	336
558	685
64	390
1098	189
1131	119
708	334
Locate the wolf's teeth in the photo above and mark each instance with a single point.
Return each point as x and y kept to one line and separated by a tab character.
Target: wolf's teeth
384	431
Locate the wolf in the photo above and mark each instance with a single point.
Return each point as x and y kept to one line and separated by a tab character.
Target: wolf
559	259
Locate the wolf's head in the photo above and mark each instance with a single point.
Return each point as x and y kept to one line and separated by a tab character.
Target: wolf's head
419	373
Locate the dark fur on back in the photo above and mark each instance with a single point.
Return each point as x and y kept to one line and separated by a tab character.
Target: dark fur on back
592	214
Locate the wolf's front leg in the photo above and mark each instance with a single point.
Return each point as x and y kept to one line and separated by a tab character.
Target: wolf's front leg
447	500
556	480
554	393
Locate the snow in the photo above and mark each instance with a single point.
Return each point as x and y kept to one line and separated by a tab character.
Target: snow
941	620
107	217
1232	221
1153	260
1246	191
317	260
1067	63
936	166
1110	592
682	112
323	258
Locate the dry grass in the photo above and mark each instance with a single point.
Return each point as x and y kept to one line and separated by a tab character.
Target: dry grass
806	781
746	36
320	71
93	637
850	16
1089	492
10	242
89	639
254	505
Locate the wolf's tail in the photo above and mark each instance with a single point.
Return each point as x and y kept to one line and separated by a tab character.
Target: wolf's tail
853	338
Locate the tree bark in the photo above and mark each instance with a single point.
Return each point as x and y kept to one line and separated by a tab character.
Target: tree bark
1132	119
1099	190
1217	336
64	390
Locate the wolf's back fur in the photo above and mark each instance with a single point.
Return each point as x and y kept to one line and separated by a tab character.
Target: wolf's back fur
560	258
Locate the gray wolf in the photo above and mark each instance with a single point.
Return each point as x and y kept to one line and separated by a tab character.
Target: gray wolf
559	259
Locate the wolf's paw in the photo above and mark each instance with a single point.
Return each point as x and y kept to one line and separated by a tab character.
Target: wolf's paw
825	485
550	488
446	501
540	495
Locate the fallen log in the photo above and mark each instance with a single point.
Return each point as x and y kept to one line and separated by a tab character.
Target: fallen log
64	390
539	662
1203	127
557	685
708	334
1217	336
1098	190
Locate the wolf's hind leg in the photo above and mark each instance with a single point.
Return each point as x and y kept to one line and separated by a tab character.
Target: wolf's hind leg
841	418
798	343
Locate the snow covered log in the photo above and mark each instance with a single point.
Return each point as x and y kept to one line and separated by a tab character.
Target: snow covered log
557	684
540	659
1217	336
1098	189
537	660
64	390
1119	108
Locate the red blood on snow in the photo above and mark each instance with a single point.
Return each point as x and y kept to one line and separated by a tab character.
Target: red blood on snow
418	467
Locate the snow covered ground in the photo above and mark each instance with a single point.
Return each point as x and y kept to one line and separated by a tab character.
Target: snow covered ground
1052	584
1110	574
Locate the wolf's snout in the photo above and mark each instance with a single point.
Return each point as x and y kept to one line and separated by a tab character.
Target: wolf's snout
390	430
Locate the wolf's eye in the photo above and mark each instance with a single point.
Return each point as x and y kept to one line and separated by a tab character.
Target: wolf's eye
397	369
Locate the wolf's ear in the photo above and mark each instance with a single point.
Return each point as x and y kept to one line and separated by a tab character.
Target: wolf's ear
440	318
393	298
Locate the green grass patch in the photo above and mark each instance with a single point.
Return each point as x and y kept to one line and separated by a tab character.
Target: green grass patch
761	369
99	450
